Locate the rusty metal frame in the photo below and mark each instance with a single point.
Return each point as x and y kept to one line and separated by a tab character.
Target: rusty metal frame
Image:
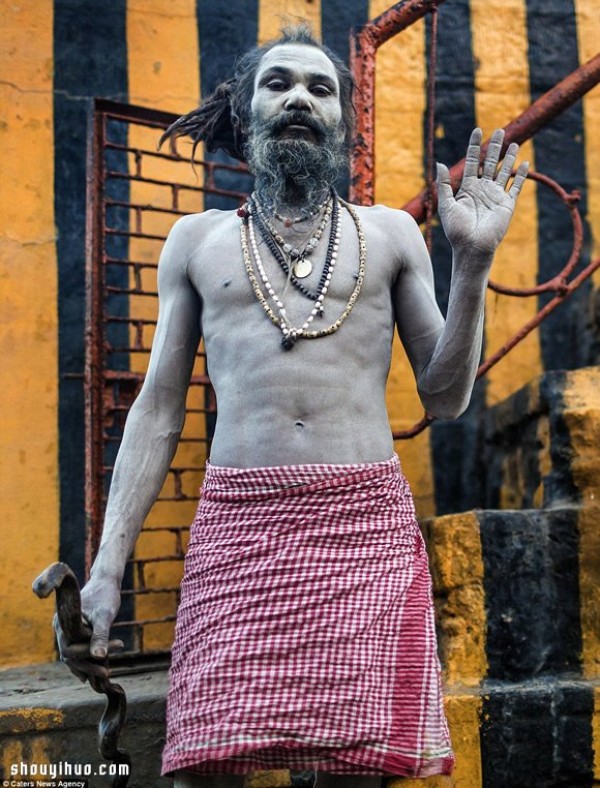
364	44
105	385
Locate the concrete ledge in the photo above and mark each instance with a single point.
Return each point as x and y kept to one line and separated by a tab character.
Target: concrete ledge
46	717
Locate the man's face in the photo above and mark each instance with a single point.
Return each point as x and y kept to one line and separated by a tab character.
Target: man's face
296	92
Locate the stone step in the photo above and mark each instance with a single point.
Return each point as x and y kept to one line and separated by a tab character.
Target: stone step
515	596
540	733
541	444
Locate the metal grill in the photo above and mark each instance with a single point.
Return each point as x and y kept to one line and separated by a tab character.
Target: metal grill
135	194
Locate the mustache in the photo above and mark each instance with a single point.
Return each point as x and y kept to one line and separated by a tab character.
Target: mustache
297	118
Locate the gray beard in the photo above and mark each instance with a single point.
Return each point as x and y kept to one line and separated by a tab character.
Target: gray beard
294	172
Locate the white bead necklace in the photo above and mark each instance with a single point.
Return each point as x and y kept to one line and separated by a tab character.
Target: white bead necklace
291	334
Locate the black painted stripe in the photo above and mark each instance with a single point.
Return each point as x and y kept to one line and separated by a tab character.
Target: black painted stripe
224	34
89	60
537	734
531	585
338	19
559	153
455	445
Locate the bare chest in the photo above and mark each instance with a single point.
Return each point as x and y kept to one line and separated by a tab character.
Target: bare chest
240	276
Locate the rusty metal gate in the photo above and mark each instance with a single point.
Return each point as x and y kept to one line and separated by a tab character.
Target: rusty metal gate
134	195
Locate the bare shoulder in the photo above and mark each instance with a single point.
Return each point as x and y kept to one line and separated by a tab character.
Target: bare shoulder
190	236
190	231
391	220
391	230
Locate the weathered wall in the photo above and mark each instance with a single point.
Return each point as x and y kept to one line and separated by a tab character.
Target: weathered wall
29	340
492	61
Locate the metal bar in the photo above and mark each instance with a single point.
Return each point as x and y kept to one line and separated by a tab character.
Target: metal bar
533	323
139	207
524	126
94	337
541	315
558	282
143	622
125	176
363	50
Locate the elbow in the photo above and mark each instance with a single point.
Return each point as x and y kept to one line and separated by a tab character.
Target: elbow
444	406
162	417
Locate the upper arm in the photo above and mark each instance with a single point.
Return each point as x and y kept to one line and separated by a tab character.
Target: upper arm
178	327
418	317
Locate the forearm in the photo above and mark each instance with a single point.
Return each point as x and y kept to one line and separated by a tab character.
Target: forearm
148	447
446	383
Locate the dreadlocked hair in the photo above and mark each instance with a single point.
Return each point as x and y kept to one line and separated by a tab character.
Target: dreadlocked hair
222	120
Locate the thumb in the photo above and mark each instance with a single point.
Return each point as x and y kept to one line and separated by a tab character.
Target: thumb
99	639
444	184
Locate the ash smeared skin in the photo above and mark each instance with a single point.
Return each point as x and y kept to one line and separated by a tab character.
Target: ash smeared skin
323	401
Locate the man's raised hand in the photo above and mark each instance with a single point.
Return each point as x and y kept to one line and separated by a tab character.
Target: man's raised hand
479	215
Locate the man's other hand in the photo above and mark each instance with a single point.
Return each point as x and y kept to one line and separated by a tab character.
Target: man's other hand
100	602
477	217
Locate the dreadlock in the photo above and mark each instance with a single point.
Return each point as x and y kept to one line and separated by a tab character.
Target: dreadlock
222	120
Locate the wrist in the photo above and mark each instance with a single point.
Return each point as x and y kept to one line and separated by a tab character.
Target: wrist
473	255
107	570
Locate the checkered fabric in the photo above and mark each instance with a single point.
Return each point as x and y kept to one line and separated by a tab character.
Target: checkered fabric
305	635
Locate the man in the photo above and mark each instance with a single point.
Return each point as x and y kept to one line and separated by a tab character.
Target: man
305	635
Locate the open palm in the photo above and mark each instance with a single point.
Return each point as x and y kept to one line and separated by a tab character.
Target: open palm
479	214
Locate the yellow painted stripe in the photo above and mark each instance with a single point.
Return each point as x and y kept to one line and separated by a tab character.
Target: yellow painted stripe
581	397
31	719
463	713
275	14
501	93
400	102
456	561
162	51
588	35
29	335
163	58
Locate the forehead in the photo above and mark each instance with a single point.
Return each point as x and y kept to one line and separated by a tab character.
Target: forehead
300	59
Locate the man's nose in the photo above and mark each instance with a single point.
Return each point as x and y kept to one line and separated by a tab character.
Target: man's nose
298	98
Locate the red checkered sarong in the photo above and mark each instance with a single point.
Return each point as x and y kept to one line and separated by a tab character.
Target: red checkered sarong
305	635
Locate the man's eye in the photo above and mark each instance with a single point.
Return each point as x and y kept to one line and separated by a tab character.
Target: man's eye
321	90
276	84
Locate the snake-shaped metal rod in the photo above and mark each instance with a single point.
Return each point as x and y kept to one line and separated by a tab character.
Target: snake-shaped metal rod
60	578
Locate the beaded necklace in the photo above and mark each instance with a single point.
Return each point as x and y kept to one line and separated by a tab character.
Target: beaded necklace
291	334
301	267
332	209
288	221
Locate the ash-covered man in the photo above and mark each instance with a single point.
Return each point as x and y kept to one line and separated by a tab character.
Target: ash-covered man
305	635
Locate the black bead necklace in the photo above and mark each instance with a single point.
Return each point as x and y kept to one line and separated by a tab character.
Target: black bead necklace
279	255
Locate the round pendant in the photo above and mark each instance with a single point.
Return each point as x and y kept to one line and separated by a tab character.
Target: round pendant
302	268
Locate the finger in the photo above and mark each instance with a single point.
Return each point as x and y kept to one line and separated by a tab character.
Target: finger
473	154
80	674
99	641
492	156
83	650
86	668
444	185
520	178
507	164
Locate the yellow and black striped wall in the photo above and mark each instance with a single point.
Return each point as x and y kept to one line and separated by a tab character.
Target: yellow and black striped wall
493	60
